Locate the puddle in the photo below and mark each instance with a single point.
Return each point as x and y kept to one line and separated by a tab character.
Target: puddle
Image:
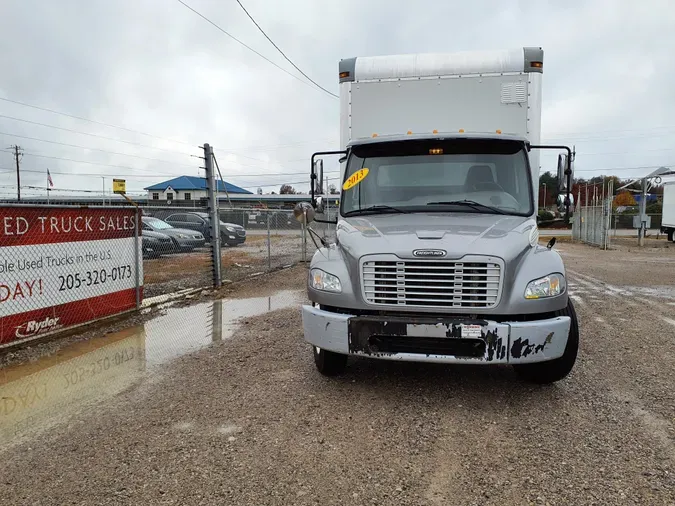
41	394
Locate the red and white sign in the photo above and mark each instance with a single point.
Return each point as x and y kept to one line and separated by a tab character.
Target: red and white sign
64	266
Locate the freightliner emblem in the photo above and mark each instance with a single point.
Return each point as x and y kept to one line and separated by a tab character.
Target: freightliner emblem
426	253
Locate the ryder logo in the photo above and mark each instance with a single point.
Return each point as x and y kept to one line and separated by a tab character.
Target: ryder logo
33	328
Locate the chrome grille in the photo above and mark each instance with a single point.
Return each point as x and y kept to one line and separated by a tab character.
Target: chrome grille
431	283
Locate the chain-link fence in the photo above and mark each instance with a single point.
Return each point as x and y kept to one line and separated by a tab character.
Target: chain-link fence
62	266
599	225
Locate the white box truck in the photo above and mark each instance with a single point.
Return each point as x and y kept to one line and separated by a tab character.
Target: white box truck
436	256
668	216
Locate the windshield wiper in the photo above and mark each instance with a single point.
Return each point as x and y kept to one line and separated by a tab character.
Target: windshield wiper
379	209
469	203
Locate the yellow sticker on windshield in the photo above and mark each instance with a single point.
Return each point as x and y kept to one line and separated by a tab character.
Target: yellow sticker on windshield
355	179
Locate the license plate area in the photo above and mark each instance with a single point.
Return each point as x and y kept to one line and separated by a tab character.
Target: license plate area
463	338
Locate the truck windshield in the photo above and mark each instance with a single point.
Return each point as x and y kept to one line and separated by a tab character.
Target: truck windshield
459	175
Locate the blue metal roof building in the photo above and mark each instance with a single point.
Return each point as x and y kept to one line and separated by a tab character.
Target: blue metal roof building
194	183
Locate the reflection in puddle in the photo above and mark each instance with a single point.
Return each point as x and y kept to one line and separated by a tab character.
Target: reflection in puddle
38	395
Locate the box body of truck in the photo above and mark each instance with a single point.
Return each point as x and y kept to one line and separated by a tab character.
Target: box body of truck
437	256
668	217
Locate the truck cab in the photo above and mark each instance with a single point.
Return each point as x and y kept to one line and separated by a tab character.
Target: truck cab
436	256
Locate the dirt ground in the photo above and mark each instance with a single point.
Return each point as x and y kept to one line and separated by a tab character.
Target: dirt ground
249	421
171	273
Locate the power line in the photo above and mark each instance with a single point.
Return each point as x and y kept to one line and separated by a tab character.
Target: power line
87	162
623	168
245	45
93	149
284	55
93	121
94	135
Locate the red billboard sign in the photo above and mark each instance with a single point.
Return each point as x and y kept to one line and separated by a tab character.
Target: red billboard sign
64	266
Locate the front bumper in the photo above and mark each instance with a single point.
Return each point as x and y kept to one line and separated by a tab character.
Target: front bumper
437	339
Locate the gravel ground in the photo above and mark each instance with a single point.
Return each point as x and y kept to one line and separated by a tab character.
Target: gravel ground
249	421
193	270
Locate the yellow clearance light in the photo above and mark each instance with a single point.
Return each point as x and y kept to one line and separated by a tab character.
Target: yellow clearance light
436	151
409	132
344	75
374	135
537	64
435	131
461	130
499	131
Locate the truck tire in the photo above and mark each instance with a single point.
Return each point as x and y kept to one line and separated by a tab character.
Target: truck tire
557	369
329	363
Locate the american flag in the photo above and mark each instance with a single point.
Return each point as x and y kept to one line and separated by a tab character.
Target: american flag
49	179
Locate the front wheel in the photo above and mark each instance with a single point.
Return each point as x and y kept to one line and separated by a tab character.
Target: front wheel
551	371
329	363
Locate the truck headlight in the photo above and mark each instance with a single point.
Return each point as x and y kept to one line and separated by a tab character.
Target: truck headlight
548	286
321	280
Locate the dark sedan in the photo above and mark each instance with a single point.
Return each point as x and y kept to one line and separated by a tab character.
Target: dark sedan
230	233
155	244
183	239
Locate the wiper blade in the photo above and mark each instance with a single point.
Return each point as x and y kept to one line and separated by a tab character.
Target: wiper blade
469	203
379	209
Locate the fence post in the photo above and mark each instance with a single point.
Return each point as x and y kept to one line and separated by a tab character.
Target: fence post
213	214
137	258
269	245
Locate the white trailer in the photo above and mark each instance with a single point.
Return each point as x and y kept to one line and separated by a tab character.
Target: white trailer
668	217
473	92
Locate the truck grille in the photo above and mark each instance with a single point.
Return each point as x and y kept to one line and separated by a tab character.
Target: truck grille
432	283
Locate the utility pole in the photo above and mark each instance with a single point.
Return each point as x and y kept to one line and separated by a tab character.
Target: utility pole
18	174
214	215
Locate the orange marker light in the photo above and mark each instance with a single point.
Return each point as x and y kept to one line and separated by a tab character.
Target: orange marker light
409	132
499	131
374	135
461	130
435	131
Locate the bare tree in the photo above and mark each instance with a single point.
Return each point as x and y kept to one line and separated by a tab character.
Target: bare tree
287	189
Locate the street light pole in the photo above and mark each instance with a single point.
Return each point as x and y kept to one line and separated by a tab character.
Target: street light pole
544	196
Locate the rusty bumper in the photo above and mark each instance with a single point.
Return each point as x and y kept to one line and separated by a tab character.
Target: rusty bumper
443	339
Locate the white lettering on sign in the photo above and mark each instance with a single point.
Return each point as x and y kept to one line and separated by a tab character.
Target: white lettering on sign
33	328
14	225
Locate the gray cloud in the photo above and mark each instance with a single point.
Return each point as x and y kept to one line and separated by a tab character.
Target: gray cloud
155	67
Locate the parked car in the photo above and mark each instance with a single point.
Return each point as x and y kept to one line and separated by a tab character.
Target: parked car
230	234
184	239
155	244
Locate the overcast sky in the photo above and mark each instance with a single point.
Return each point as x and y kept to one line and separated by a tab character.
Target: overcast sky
155	67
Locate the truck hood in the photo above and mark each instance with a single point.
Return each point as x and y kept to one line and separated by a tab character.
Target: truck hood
457	233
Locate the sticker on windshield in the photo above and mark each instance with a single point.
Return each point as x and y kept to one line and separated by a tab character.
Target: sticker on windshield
355	179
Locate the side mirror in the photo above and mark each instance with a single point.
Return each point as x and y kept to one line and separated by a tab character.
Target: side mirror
560	172
304	213
561	202
319	205
318	172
